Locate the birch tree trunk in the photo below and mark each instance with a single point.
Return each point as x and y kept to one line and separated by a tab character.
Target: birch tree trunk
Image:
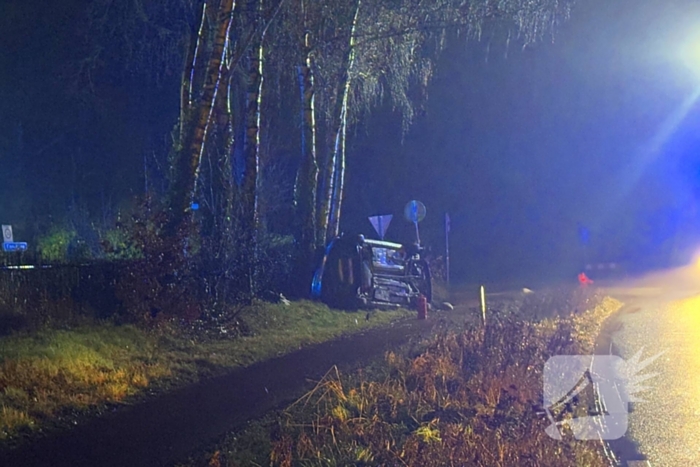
222	247
196	134
251	148
188	74
334	170
251	152
339	156
226	132
307	178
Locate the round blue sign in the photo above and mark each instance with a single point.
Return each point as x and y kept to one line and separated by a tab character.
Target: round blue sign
414	211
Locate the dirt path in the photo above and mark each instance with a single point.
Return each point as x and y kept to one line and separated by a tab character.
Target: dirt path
168	428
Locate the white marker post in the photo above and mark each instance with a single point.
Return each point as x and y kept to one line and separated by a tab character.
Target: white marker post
483	304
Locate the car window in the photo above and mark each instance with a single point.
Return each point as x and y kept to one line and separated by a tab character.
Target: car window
387	258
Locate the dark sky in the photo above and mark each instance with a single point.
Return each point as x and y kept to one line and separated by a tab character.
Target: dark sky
520	146
520	149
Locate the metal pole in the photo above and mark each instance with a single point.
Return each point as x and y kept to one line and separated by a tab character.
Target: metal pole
417	233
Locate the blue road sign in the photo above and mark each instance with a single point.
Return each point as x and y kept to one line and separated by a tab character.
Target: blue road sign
14	246
414	211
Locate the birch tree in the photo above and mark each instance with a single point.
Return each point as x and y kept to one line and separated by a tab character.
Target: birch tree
307	177
345	58
396	45
198	115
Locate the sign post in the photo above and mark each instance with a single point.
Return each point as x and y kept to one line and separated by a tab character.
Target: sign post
8	243
7	234
415	212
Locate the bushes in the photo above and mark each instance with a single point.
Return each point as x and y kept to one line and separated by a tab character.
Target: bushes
151	277
162	283
187	276
53	248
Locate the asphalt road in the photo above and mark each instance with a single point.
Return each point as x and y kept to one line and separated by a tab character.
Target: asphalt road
662	314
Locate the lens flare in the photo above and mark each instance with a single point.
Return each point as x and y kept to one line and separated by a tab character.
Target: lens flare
691	54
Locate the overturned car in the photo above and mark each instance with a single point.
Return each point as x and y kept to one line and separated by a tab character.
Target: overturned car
358	273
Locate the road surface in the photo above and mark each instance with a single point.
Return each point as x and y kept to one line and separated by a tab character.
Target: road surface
662	314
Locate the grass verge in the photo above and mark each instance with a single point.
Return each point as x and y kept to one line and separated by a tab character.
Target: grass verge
51	376
470	397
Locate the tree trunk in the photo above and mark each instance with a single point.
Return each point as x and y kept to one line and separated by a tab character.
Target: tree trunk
334	171
188	75
339	150
223	241
251	152
193	146
225	130
307	178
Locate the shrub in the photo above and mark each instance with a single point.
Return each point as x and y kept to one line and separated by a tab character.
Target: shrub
161	284
118	245
54	246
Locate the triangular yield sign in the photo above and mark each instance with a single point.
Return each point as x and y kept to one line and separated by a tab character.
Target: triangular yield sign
381	224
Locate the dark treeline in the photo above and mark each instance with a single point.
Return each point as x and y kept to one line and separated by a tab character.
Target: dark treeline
248	106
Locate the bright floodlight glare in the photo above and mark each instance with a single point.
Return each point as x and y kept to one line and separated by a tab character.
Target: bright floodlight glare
691	54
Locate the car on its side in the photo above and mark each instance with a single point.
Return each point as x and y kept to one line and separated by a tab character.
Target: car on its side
356	272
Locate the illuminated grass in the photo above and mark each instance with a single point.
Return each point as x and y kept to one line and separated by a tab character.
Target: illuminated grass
53	372
45	374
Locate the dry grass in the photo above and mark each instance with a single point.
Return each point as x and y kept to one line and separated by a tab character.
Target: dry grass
468	397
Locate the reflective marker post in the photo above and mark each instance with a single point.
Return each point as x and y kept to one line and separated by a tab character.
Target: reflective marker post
483	304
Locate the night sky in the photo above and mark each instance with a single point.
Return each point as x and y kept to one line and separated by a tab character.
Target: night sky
521	147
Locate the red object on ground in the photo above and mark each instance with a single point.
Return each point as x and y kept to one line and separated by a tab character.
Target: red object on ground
584	280
422	306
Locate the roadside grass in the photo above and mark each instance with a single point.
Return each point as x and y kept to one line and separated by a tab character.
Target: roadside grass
470	397
52	374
